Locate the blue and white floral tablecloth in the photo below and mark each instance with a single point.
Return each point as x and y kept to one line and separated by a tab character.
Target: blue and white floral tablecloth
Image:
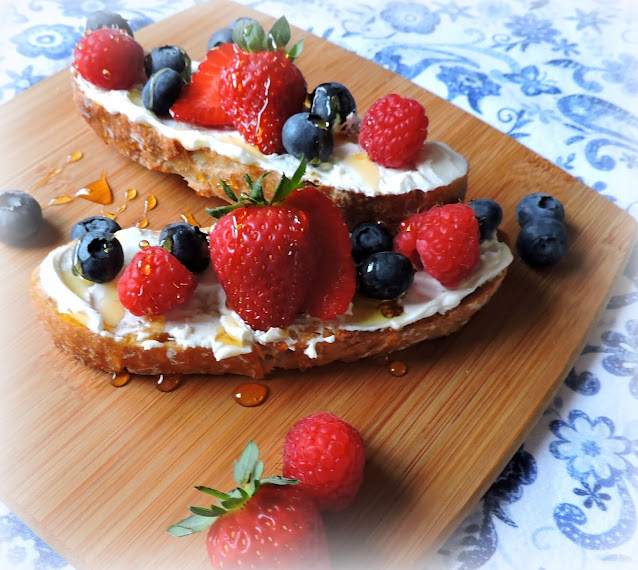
560	77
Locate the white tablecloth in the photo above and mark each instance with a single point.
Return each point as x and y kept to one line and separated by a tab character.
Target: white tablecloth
561	78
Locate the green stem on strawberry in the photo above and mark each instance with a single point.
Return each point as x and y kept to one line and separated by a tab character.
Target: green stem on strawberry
284	188
251	37
247	472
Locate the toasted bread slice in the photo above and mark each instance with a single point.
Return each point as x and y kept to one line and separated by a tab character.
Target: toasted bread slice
363	190
205	337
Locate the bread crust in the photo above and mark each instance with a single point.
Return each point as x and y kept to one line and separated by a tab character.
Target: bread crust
112	355
203	168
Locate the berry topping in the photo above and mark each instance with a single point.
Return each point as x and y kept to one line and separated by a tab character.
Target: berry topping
327	456
97	257
539	205
307	135
445	239
335	105
20	216
200	101
161	91
97	224
173	57
393	131
110	59
262	87
334	274
385	275
101	19
154	282
489	215
369	238
223	36
262	523
542	241
188	243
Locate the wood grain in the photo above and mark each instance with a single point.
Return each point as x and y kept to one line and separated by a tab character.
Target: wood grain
100	472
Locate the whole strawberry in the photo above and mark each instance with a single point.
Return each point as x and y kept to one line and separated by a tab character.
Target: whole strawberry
262	87
109	58
263	523
393	131
327	455
154	282
444	241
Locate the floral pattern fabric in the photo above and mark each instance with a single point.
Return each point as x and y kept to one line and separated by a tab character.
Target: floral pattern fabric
562	79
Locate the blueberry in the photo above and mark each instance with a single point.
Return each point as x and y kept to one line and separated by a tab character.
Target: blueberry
223	36
20	216
173	57
542	241
385	275
539	205
307	135
369	238
97	257
188	243
335	105
101	19
161	91
98	224
489	215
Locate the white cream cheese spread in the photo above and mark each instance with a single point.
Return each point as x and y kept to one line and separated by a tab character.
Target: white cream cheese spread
206	321
349	167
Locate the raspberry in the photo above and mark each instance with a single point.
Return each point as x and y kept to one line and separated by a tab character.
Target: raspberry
327	455
446	239
393	131
110	59
154	282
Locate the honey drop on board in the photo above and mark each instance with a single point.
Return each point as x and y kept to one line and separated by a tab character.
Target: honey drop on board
189	219
73	157
168	382
250	394
398	368
97	191
58	201
120	379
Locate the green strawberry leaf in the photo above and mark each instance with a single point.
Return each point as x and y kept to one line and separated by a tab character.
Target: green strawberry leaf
279	34
249	36
221	211
257	190
190	525
279	480
214	492
287	185
214	511
295	51
228	190
243	468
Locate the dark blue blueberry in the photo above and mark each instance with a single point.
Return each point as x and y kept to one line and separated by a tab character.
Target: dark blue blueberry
161	91
539	205
307	135
97	257
543	241
369	238
489	215
188	244
102	19
20	216
97	224
223	36
173	57
334	104
385	275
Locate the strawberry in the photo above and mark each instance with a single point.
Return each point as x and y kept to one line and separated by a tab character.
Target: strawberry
262	87
327	455
278	259
200	102
334	283
110	59
262	523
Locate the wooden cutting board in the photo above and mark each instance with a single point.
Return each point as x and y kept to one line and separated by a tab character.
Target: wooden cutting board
99	472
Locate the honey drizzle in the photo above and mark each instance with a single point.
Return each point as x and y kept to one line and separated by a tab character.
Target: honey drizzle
119	379
149	204
129	195
168	382
97	191
250	394
189	219
73	157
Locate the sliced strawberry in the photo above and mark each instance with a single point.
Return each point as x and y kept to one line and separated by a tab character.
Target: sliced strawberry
200	102
334	281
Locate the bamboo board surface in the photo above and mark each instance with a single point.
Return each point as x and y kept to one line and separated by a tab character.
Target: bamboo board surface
100	472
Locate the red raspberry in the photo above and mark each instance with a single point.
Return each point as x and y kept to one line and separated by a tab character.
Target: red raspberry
393	131
109	58
446	239
155	282
260	91
327	455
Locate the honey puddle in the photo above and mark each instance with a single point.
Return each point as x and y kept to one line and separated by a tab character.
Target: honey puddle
250	394
168	382
97	191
